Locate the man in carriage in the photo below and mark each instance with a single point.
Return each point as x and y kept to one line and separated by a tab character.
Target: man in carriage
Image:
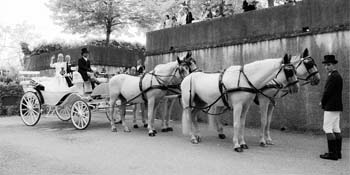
84	68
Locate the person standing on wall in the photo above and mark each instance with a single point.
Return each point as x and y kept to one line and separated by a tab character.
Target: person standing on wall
332	105
140	68
189	17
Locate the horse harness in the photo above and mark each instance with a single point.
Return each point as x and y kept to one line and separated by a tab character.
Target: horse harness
161	86
308	65
224	92
276	85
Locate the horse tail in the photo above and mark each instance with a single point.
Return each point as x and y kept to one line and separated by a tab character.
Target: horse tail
186	121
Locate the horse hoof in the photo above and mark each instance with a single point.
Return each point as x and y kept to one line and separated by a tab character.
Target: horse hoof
127	130
154	131
118	122
222	136
170	129
262	144
269	143
136	126
198	139
194	141
145	125
239	149
244	146
164	130
114	129
151	134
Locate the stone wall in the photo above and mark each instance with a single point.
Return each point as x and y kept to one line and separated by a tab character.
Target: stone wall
319	16
262	34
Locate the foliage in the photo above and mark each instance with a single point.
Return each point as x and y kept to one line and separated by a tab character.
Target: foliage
11	89
118	44
10	37
99	16
51	47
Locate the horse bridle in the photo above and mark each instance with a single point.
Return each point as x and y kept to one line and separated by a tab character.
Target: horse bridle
187	63
289	72
309	63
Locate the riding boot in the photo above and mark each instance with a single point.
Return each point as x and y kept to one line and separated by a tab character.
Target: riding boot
331	155
338	139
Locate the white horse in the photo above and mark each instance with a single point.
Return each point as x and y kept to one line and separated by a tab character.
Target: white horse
306	69
143	115
235	88
149	88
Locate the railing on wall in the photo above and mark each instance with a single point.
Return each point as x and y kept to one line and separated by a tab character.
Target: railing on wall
305	18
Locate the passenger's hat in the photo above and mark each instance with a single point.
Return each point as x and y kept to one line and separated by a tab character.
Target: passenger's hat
84	50
329	59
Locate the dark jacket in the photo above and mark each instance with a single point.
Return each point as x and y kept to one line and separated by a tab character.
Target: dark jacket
332	95
69	68
83	68
140	69
189	18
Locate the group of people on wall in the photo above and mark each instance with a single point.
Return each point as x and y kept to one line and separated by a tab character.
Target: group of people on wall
184	15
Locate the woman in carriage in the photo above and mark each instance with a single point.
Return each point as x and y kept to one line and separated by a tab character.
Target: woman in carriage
57	83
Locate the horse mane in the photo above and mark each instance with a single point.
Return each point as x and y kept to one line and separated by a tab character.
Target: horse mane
253	69
295	59
256	64
261	63
166	68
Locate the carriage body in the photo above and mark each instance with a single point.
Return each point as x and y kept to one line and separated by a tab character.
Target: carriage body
74	104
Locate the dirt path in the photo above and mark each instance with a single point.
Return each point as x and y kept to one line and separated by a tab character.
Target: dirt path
55	147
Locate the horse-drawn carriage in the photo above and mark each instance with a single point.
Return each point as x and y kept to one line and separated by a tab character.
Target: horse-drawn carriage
76	104
73	104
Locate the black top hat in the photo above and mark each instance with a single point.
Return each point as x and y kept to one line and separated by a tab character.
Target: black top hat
84	50
329	59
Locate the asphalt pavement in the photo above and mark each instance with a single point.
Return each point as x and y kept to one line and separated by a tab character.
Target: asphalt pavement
55	147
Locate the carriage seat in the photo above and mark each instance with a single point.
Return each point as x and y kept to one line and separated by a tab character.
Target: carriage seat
80	85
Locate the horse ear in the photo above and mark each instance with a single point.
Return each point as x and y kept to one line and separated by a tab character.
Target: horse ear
285	59
189	54
178	60
306	53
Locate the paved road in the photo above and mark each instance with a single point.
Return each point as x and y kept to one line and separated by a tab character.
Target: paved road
54	147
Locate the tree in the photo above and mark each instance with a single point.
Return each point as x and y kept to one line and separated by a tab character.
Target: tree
86	16
11	38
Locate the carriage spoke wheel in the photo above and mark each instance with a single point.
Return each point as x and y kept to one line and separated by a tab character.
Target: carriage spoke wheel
63	112
30	109
80	114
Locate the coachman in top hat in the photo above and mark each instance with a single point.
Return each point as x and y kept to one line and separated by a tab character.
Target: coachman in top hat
332	105
84	68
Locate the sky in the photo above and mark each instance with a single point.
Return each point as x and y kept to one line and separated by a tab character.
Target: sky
35	14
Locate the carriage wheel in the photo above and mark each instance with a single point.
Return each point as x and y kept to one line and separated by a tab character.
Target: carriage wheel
80	114
30	109
63	112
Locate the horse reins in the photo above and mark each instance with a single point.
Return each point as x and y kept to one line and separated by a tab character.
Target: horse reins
224	91
164	85
308	67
